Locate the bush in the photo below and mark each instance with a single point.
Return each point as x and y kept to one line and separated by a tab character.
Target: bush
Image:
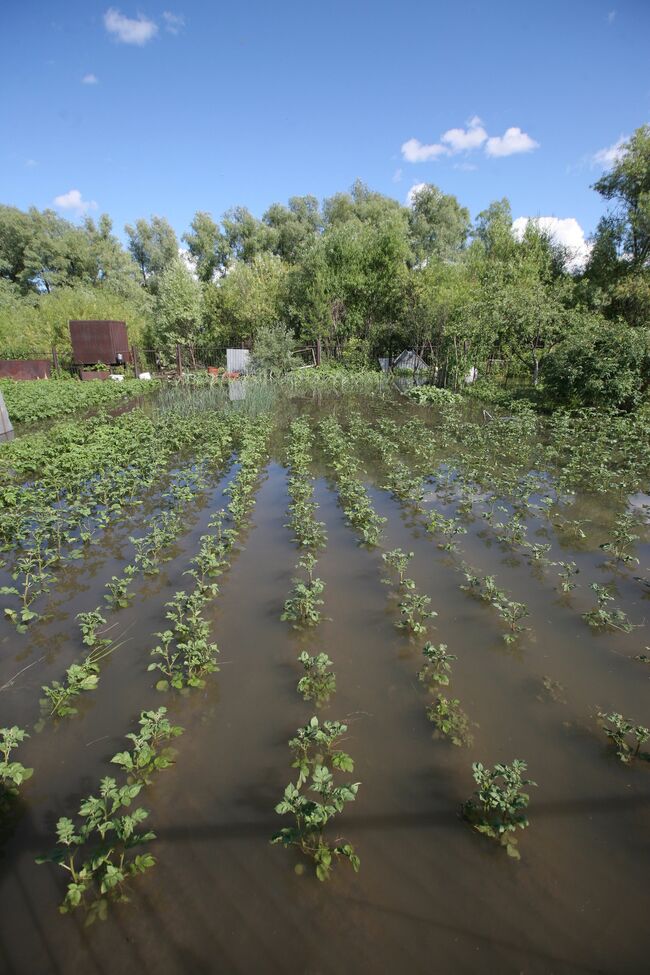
273	354
432	395
599	364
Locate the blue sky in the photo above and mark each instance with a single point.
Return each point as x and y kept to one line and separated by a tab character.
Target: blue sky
145	108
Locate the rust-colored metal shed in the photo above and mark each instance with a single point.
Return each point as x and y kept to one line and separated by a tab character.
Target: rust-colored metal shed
24	368
95	341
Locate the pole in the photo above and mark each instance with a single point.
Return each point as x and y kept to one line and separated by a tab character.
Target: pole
55	359
179	361
134	359
318	351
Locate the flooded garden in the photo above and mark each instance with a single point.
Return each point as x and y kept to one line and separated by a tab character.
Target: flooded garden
319	678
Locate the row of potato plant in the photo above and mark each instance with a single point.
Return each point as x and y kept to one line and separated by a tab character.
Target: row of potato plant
320	764
83	675
497	808
91	477
100	850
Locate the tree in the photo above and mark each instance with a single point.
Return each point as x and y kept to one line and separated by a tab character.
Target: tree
627	184
178	309
246	236
249	297
209	248
295	226
153	246
439	225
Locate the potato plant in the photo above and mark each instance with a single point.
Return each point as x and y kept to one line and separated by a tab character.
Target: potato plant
145	756
12	773
450	720
437	669
319	763
318	682
626	736
497	808
98	852
353	497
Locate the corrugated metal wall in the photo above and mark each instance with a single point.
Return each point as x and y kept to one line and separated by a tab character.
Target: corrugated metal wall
99	341
237	360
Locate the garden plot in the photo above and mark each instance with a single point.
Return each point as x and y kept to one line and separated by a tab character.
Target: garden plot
349	674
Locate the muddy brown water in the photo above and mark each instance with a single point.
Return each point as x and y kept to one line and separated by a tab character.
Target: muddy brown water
432	895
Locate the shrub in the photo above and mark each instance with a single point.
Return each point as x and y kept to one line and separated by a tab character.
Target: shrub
599	364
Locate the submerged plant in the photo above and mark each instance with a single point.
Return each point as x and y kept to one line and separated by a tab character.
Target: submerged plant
437	669
414	612
89	623
317	760
624	734
623	538
97	853
145	757
318	683
12	773
602	618
118	596
398	562
497	808
512	613
567	571
450	720
302	605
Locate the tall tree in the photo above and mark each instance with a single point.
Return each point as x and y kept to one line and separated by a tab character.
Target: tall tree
439	225
627	185
208	246
154	246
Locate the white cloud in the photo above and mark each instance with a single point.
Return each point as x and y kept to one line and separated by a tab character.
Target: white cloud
30	163
413	192
90	79
414	151
511	142
129	30
565	231
610	155
466	167
462	140
174	23
72	200
397	176
611	17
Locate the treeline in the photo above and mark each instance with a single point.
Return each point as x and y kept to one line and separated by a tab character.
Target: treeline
365	275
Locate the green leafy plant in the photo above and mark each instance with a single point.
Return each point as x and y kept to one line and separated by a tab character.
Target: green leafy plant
302	606
104	840
414	612
317	760
626	736
497	808
398	561
623	538
318	683
89	624
568	571
12	773
145	756
600	617
437	670
451	721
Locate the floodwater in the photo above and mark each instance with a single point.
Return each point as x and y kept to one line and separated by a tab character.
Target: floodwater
432	895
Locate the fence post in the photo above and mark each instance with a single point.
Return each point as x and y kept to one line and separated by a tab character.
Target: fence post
179	361
318	351
55	359
136	364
